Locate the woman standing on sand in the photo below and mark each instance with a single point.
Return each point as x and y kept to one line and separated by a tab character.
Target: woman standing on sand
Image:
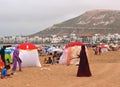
83	69
16	59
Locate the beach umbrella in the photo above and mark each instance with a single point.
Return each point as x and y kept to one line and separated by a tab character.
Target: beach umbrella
103	46
50	49
27	46
74	44
57	49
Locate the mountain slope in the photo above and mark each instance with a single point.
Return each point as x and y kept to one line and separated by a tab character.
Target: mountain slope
89	23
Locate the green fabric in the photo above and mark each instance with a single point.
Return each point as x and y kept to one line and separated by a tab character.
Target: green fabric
8	57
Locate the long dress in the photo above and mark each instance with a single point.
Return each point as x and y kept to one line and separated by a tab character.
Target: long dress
83	69
16	60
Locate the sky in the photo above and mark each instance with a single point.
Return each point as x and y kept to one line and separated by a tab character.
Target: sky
25	17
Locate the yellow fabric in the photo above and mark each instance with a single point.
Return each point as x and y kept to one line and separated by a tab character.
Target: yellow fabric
8	57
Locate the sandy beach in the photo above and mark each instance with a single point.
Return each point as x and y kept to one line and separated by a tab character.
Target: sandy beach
105	70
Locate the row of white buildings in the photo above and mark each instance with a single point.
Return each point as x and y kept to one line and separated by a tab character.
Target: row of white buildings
60	39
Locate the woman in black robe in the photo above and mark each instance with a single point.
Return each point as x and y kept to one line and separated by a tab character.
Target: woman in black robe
83	69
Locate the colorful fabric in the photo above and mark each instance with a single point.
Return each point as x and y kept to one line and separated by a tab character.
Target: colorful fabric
4	72
8	58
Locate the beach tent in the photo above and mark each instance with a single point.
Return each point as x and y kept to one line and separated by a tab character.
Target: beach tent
70	53
29	55
104	48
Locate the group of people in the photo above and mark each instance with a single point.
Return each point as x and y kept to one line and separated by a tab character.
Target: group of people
52	58
7	64
83	66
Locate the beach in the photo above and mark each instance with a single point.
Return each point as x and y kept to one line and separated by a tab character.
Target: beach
105	69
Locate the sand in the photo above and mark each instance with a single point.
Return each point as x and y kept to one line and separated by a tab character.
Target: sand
105	70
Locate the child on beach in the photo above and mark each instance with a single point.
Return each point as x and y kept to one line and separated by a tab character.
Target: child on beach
45	61
55	61
4	73
49	61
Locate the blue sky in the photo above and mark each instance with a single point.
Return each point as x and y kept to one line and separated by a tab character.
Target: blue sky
24	17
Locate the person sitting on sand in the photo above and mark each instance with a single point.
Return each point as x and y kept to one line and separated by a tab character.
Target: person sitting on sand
50	61
4	73
45	61
55	61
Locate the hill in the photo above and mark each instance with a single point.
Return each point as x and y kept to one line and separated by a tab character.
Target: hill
89	23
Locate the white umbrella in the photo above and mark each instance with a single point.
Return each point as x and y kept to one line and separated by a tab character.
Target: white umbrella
57	49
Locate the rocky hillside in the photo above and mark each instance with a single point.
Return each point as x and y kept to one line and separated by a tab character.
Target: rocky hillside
89	23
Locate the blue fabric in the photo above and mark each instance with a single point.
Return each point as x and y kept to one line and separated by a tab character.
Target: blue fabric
4	72
7	51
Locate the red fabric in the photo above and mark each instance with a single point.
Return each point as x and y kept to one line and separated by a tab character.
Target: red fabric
40	47
1	64
74	44
27	46
103	46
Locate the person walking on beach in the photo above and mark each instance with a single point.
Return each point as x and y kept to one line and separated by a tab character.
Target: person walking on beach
16	59
83	69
